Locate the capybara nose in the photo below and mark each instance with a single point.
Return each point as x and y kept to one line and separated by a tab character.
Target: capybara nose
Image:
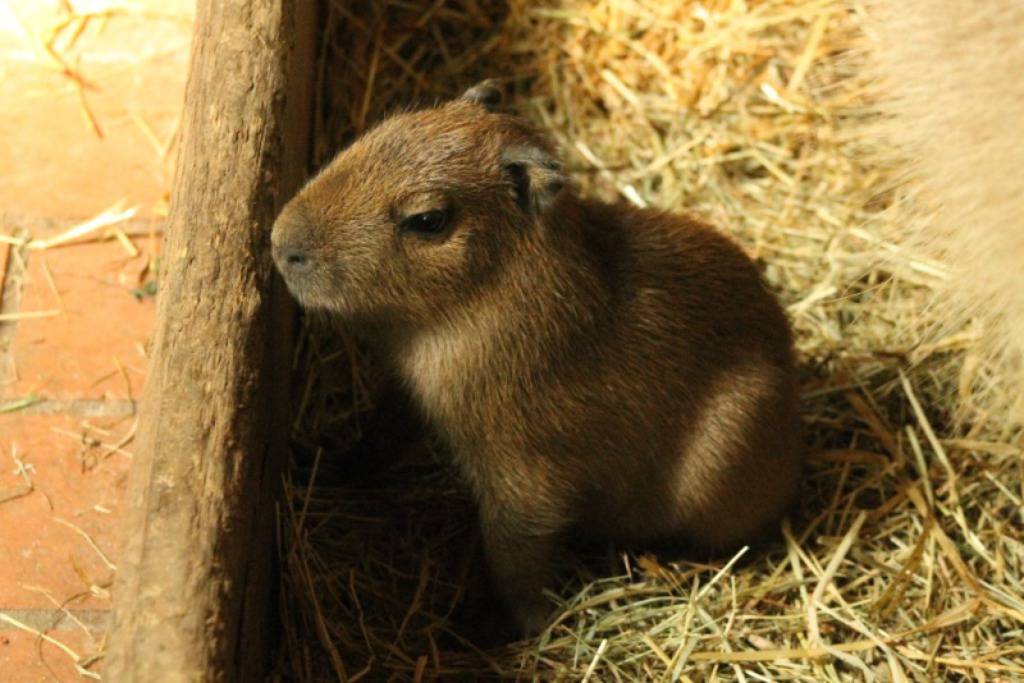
290	259
290	241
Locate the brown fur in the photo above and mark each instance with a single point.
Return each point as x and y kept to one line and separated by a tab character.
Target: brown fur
951	87
592	367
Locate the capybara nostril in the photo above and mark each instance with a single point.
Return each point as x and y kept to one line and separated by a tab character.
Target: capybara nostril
295	258
291	259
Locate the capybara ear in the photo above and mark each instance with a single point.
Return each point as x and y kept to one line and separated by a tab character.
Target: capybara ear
536	176
487	94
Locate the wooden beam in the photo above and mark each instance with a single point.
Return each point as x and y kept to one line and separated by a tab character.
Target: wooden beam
192	599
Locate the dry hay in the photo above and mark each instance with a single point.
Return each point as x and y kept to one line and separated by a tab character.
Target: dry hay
904	559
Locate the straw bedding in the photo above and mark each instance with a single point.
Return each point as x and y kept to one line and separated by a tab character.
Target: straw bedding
904	558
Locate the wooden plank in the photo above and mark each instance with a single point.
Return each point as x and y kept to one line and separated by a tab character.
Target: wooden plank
192	599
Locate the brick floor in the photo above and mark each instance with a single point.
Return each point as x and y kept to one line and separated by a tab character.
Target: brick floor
94	348
77	475
69	379
26	658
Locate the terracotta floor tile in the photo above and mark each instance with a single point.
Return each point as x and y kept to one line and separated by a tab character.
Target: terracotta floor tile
93	348
74	483
51	161
25	658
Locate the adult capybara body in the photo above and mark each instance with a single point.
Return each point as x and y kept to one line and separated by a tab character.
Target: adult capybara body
949	88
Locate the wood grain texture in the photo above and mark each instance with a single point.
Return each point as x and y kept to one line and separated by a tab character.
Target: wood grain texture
193	590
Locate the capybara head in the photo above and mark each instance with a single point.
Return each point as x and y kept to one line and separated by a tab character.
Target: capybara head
419	212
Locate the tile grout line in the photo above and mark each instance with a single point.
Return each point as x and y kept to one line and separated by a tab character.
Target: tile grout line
79	407
54	619
133	227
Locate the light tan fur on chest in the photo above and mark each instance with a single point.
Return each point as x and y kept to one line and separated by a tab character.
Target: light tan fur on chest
441	363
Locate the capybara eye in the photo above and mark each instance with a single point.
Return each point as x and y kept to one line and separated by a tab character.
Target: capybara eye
426	223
